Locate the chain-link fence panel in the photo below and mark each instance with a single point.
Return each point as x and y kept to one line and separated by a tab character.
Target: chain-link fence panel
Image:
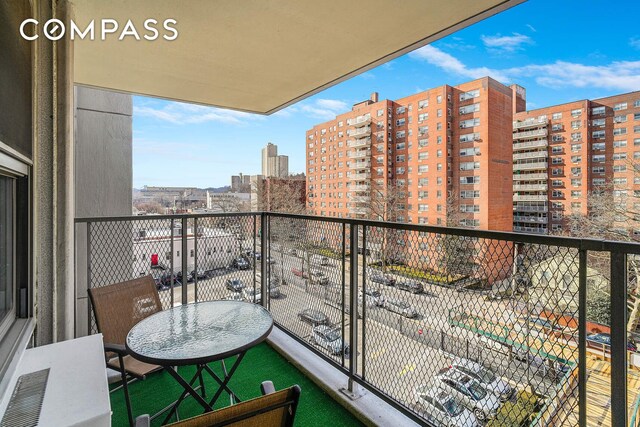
480	325
307	276
457	327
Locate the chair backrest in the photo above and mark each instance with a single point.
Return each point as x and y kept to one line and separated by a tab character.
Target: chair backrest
120	306
272	410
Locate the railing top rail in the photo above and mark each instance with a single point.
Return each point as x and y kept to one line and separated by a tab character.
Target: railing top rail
563	241
160	217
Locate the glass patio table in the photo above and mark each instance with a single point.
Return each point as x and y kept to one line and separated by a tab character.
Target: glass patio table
198	334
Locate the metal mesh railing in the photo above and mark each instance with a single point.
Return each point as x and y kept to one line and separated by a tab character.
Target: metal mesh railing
451	326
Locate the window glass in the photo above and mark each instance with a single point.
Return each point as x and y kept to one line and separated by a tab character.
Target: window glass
7	248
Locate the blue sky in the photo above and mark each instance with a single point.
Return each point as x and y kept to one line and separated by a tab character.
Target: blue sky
558	50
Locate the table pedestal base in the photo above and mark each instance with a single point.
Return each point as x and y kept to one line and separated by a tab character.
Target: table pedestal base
201	398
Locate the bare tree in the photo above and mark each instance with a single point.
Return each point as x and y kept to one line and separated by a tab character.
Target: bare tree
228	203
455	254
285	195
149	207
613	214
387	203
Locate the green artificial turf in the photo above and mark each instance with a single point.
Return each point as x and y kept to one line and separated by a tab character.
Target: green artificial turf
261	363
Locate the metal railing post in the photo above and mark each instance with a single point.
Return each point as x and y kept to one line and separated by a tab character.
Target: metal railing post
184	259
618	339
364	298
171	272
195	259
264	242
353	307
344	282
582	338
89	308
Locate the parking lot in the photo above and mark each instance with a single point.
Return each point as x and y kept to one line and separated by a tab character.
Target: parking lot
397	353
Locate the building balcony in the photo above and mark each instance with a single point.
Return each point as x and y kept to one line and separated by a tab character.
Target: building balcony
530	176
461	326
354	188
360	154
538	143
531	155
530	208
361	199
359	132
538	133
529	166
359	210
536	230
531	219
360	165
359	122
362	176
357	143
530	187
530	123
530	197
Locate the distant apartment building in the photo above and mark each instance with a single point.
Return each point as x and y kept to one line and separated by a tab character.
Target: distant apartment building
446	152
240	183
278	194
563	152
274	165
183	196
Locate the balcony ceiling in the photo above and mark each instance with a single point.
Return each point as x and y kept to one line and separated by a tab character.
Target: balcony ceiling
260	55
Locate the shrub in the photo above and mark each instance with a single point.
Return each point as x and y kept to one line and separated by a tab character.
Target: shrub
516	414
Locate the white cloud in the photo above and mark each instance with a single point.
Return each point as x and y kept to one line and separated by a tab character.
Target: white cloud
619	75
324	108
508	44
182	113
531	28
449	63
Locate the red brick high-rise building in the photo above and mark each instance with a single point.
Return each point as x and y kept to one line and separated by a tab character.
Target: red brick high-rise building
563	152
427	158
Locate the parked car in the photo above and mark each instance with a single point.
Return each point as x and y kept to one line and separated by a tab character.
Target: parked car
274	289
200	274
252	295
330	339
373	298
179	277
499	387
160	285
600	339
315	317
536	364
469	392
401	307
320	260
319	278
240	263
410	286
443	408
235	296
235	285
251	254
382	279
300	273
166	280
362	251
